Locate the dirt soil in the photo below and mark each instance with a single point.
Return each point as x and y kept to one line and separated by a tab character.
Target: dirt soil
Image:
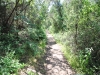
53	62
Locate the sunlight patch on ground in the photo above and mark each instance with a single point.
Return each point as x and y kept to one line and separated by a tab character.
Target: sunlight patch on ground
49	35
55	62
56	47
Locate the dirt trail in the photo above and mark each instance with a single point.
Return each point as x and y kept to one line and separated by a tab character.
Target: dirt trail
52	63
55	63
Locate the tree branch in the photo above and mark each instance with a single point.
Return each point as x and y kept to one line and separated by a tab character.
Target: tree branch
26	6
12	12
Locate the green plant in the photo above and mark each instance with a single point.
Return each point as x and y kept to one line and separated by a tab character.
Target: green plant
9	64
67	50
85	60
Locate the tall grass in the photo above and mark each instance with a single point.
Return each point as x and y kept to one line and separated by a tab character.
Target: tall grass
67	50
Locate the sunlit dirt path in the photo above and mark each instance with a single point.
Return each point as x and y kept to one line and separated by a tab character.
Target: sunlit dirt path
52	63
55	64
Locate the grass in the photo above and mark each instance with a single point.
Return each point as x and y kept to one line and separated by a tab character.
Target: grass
70	56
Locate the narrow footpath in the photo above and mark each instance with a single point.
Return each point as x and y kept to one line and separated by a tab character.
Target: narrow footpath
55	64
52	63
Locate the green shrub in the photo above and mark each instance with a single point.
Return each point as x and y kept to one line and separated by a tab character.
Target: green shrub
9	64
85	61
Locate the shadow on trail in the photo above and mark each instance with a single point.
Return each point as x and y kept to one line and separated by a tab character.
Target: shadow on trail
53	62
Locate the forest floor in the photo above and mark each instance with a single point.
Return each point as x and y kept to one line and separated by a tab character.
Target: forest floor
53	62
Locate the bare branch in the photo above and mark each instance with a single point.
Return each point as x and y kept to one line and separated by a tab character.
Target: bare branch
12	12
26	6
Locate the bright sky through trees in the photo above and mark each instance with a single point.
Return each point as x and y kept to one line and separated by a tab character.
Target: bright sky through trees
51	3
61	1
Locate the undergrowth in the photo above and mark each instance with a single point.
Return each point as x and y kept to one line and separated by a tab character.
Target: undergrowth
78	60
9	64
16	51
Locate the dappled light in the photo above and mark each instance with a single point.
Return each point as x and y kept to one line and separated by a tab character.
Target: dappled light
49	37
55	63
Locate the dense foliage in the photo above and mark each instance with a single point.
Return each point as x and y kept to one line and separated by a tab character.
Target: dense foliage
21	32
75	24
80	34
9	65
